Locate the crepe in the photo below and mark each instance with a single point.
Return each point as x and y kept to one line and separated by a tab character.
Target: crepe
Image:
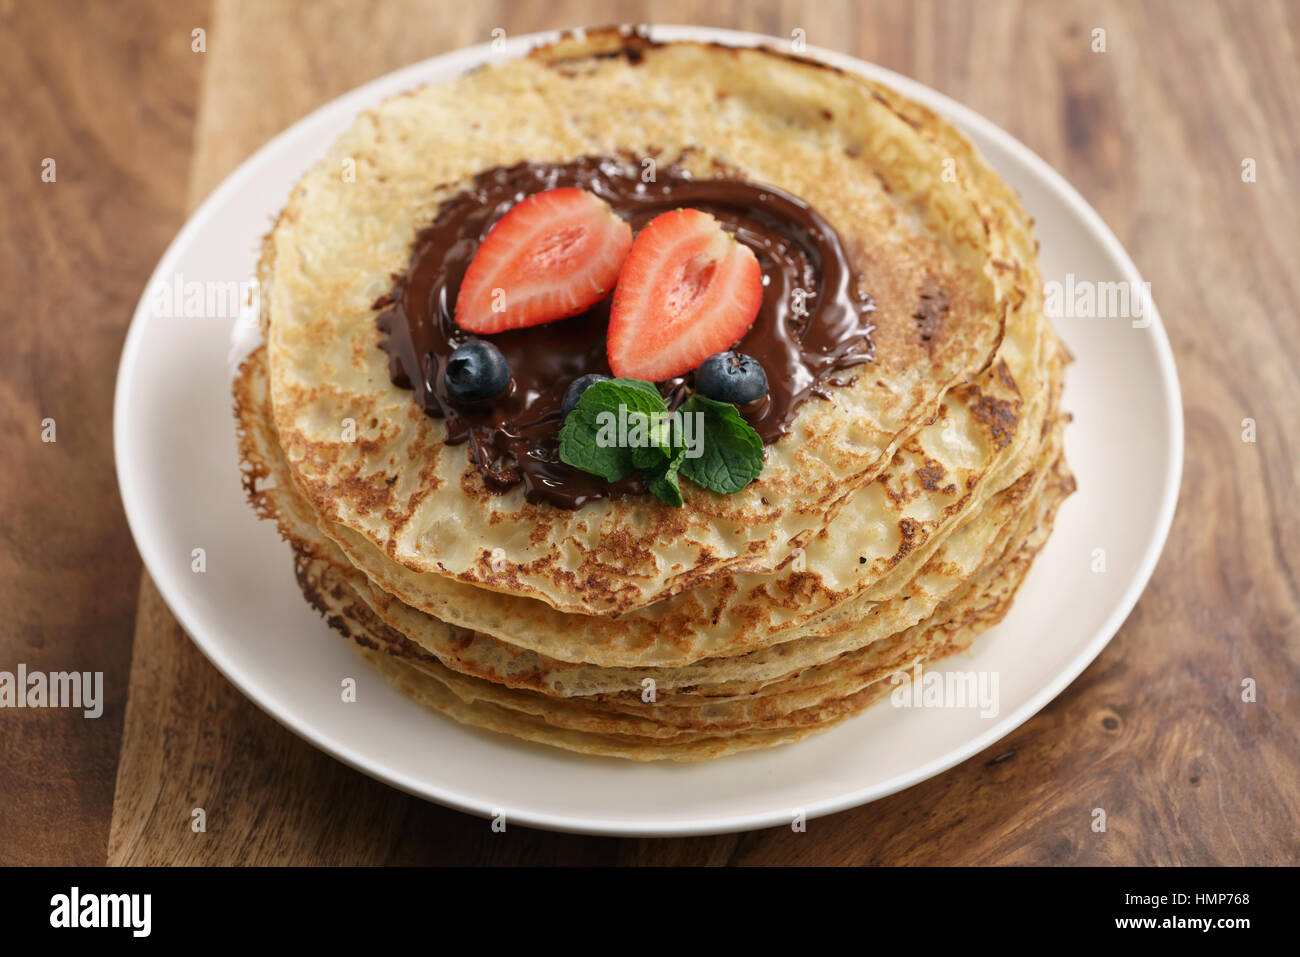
804	696
709	730
938	477
876	172
949	565
893	524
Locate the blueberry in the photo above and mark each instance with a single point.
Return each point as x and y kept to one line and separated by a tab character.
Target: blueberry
731	377
477	370
578	386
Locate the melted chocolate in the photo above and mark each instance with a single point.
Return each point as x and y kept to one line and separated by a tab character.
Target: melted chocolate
814	319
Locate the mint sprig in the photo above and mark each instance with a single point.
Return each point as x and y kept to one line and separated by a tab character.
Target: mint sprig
620	426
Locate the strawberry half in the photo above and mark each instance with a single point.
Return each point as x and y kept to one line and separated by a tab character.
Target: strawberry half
687	290
553	255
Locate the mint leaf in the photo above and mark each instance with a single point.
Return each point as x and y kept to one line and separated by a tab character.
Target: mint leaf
650	457
637	384
731	451
658	433
662	481
595	438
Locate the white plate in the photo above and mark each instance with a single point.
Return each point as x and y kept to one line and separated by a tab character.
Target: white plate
176	463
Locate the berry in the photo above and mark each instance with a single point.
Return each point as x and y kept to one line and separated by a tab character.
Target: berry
555	254
687	290
476	370
578	386
731	377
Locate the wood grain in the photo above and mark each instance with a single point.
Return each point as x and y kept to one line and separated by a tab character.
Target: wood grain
1152	132
110	99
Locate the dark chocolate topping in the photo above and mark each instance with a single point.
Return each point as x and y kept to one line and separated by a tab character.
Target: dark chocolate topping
814	319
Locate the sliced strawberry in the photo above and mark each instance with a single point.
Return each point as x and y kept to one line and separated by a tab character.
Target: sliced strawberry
687	290
553	255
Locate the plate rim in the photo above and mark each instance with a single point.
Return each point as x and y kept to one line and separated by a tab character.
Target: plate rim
365	95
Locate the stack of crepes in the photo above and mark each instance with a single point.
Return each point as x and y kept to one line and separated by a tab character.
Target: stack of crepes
893	522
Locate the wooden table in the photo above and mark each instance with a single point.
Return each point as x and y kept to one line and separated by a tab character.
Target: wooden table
1153	132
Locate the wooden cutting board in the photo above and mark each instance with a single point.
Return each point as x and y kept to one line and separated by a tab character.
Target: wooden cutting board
1153	131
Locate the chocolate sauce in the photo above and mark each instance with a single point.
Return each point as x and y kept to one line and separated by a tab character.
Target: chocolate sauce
814	320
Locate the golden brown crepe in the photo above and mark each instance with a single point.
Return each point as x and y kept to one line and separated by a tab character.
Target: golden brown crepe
892	524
